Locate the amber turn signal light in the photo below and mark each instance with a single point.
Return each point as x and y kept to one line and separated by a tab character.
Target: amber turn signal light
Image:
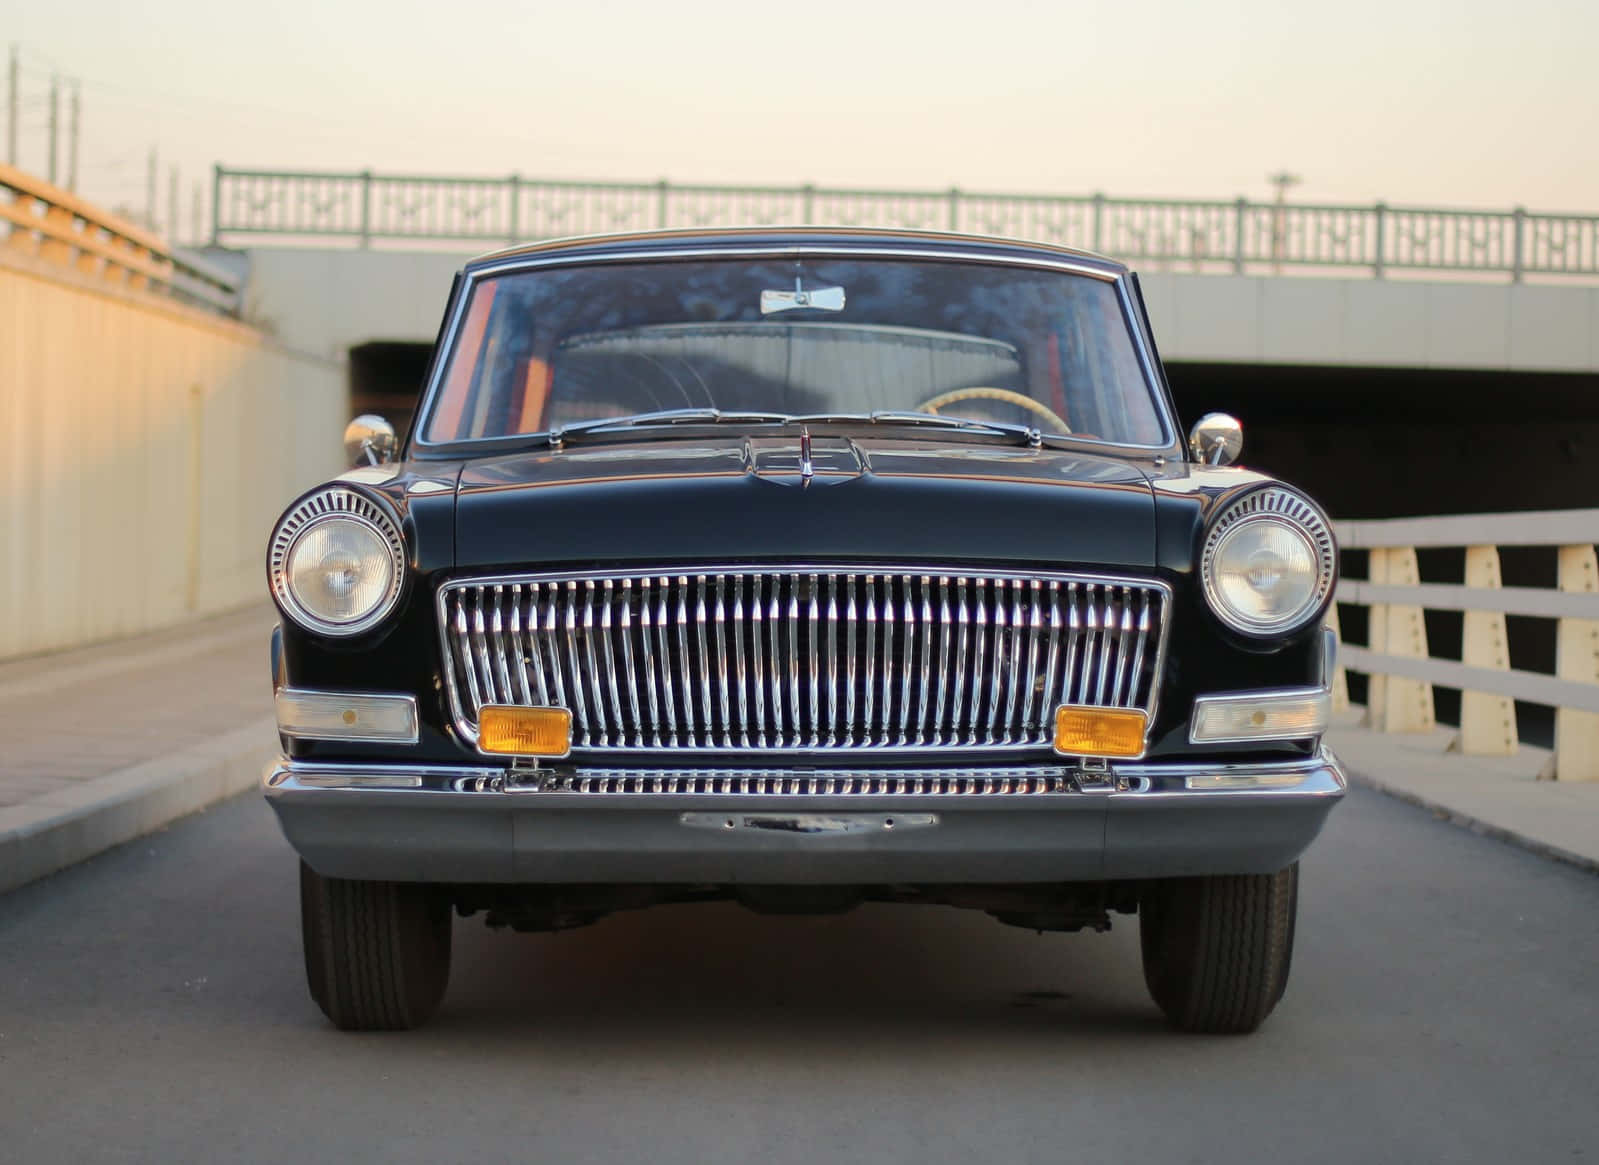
1088	731
513	731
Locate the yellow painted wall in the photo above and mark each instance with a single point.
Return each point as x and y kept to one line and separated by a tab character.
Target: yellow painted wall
145	449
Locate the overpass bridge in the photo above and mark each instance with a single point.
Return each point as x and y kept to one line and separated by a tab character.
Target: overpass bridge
1414	340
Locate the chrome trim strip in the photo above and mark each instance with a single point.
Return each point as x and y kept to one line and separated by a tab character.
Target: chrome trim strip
1118	279
284	774
1083	592
1320	775
1144	783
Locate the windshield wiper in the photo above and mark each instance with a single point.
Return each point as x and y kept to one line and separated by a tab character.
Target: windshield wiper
927	420
1031	435
705	416
667	417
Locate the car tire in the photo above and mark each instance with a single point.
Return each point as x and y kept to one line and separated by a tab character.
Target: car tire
1217	949
377	954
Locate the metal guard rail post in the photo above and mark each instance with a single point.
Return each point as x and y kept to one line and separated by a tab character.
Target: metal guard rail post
56	226
1203	235
1401	670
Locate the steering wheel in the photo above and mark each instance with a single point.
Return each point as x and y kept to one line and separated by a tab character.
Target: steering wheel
986	392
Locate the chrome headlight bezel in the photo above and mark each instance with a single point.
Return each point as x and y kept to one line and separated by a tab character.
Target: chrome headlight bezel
1279	505
324	505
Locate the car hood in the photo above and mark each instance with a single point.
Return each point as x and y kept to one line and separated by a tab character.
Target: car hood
737	499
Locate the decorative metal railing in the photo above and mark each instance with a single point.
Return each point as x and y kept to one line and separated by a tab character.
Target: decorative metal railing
1233	236
57	227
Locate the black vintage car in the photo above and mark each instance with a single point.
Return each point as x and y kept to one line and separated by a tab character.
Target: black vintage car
801	568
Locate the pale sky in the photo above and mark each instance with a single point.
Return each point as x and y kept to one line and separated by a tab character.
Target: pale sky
1468	103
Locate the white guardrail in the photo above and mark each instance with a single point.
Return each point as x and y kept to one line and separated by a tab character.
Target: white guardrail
1402	672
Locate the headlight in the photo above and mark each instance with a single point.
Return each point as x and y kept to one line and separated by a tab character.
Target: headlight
1269	562
336	562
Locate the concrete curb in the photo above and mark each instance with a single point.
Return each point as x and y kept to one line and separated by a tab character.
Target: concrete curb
1475	824
51	833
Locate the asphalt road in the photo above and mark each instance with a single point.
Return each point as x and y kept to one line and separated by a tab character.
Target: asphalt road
1444	1006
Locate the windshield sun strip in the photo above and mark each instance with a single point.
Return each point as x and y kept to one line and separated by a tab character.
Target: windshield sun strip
518	264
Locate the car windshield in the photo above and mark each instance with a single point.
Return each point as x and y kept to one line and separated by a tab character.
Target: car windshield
539	350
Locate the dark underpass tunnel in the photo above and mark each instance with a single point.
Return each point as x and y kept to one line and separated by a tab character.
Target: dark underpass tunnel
386	379
1388	443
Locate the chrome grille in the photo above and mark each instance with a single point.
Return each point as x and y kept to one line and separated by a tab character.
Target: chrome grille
799	660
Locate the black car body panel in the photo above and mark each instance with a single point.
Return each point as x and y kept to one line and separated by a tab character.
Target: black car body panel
685	501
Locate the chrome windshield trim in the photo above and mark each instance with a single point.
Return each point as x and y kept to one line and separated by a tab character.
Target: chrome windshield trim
521	263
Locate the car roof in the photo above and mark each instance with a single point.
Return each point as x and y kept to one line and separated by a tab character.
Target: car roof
809	239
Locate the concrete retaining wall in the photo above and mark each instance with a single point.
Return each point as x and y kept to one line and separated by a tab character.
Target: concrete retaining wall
145	448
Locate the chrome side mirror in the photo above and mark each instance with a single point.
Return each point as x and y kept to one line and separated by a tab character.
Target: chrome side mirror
1216	439
369	440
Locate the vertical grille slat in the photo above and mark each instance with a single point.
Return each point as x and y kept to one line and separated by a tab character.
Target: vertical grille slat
835	725
795	723
907	667
885	693
757	664
663	643
707	716
630	675
722	660
923	724
646	612
596	680
575	668
849	662
819	660
691	734
738	664
946	632
814	658
998	654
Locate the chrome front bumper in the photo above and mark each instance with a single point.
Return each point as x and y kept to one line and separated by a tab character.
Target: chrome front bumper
1041	823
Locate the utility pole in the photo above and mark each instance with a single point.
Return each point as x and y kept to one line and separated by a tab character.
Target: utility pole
172	206
1282	180
12	111
55	123
72	136
149	191
197	223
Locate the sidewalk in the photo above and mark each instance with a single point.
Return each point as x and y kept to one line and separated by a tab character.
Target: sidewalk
107	743
1500	797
